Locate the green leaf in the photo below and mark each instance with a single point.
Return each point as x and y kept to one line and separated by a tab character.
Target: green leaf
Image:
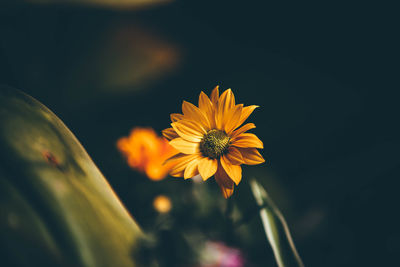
276	228
57	209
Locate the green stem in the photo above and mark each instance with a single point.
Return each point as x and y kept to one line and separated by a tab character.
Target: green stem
276	229
229	222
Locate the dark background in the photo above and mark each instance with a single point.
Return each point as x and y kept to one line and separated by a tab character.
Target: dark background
324	74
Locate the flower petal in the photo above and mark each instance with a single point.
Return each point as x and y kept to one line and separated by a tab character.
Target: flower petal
247	140
207	167
246	111
215	96
225	103
222	108
205	103
231	119
191	169
184	146
170	133
176	117
177	173
176	157
227	99
234	171
192	112
251	156
206	107
234	156
181	161
244	128
224	182
188	130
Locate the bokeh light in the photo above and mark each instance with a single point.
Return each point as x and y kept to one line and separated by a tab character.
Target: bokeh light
162	204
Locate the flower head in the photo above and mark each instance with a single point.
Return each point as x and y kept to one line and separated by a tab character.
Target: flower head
146	152
209	141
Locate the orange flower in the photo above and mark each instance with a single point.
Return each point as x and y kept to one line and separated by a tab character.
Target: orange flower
210	142
146	152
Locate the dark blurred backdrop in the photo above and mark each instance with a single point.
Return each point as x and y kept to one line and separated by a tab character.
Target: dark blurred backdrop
324	74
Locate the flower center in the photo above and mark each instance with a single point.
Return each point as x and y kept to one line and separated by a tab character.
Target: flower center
214	144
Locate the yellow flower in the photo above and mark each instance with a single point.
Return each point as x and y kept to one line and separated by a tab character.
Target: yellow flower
210	142
146	152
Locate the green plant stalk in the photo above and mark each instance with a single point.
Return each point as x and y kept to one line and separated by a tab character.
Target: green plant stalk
276	229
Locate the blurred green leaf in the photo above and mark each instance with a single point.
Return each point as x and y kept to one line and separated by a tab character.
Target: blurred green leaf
56	206
276	228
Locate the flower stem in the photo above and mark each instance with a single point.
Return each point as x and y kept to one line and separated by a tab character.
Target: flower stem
276	229
229	222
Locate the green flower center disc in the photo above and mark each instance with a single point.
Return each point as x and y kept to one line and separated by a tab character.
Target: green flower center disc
214	144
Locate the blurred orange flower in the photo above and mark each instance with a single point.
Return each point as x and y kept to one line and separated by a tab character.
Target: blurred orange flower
146	152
